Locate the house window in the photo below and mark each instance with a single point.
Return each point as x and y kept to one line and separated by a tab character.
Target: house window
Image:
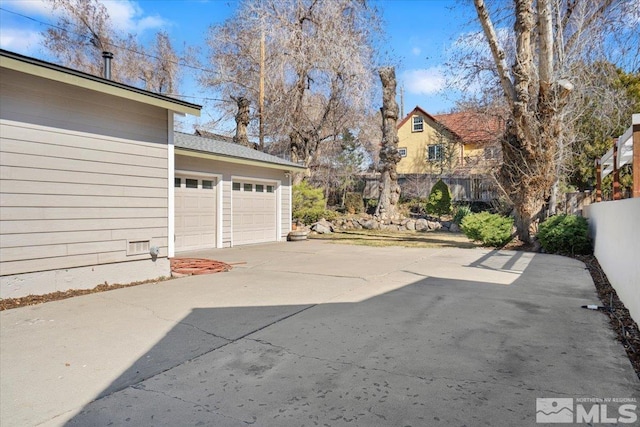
248	187
491	153
402	151
191	183
434	152
236	186
177	182
418	125
269	188
207	184
259	188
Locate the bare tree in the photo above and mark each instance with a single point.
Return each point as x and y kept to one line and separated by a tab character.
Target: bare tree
389	156
317	67
551	37
84	30
242	121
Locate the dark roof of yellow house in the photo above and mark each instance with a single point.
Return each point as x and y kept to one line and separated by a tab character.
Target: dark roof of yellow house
473	127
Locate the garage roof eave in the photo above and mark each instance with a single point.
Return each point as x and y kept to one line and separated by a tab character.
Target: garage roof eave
36	67
238	160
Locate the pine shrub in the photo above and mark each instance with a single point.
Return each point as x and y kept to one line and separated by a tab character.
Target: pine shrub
439	202
461	212
309	204
353	203
565	234
487	228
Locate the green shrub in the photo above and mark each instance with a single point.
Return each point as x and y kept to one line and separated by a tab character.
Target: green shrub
487	228
353	203
306	199
309	216
565	234
461	212
439	202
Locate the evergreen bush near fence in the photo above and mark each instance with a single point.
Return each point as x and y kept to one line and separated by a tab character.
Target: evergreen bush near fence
309	204
439	202
565	234
487	228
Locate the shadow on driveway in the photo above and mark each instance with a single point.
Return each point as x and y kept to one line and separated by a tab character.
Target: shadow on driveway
438	351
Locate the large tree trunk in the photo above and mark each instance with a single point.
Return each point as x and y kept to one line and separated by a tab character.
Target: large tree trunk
242	121
389	156
529	146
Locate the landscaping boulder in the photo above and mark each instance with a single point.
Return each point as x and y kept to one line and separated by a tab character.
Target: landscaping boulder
454	228
433	225
370	224
422	225
410	225
322	227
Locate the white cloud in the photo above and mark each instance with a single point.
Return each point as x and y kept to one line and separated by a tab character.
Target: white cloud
28	7
21	41
416	51
424	81
128	16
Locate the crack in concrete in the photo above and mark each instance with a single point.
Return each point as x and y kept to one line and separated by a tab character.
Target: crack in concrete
229	341
172	321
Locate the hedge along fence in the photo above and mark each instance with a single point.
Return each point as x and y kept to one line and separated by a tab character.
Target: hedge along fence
565	235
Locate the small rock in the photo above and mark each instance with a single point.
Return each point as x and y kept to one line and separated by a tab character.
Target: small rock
454	228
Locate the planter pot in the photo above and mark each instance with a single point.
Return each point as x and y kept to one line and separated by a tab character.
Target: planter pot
297	235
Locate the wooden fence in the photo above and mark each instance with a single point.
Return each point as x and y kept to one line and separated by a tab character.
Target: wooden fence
476	188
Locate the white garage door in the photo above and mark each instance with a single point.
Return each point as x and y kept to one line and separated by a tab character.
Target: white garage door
254	212
195	213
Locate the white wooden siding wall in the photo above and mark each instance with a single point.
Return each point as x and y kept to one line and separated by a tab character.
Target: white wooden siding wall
227	170
81	174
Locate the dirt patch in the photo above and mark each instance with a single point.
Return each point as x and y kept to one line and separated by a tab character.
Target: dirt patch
9	303
619	318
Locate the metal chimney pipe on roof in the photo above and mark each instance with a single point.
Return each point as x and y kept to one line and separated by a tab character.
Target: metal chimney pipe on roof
108	56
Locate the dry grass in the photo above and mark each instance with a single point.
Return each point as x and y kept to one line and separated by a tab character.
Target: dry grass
410	239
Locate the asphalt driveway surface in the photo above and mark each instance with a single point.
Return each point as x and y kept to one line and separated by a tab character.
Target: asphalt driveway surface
313	333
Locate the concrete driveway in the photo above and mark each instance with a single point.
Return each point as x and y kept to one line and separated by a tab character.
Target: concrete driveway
313	333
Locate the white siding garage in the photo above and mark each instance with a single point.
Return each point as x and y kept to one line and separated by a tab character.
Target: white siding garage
255	209
195	212
252	193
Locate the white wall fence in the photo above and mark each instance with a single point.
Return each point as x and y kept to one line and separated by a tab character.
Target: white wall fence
615	228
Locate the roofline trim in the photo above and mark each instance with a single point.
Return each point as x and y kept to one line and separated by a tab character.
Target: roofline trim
417	108
47	70
237	160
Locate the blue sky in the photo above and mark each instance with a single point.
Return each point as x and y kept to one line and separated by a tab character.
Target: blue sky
418	35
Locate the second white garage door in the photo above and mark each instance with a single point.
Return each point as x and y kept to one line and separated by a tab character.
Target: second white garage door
254	206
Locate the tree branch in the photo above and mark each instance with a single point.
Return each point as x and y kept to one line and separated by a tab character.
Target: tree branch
496	51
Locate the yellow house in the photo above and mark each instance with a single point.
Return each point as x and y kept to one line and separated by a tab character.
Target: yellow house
462	143
426	145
